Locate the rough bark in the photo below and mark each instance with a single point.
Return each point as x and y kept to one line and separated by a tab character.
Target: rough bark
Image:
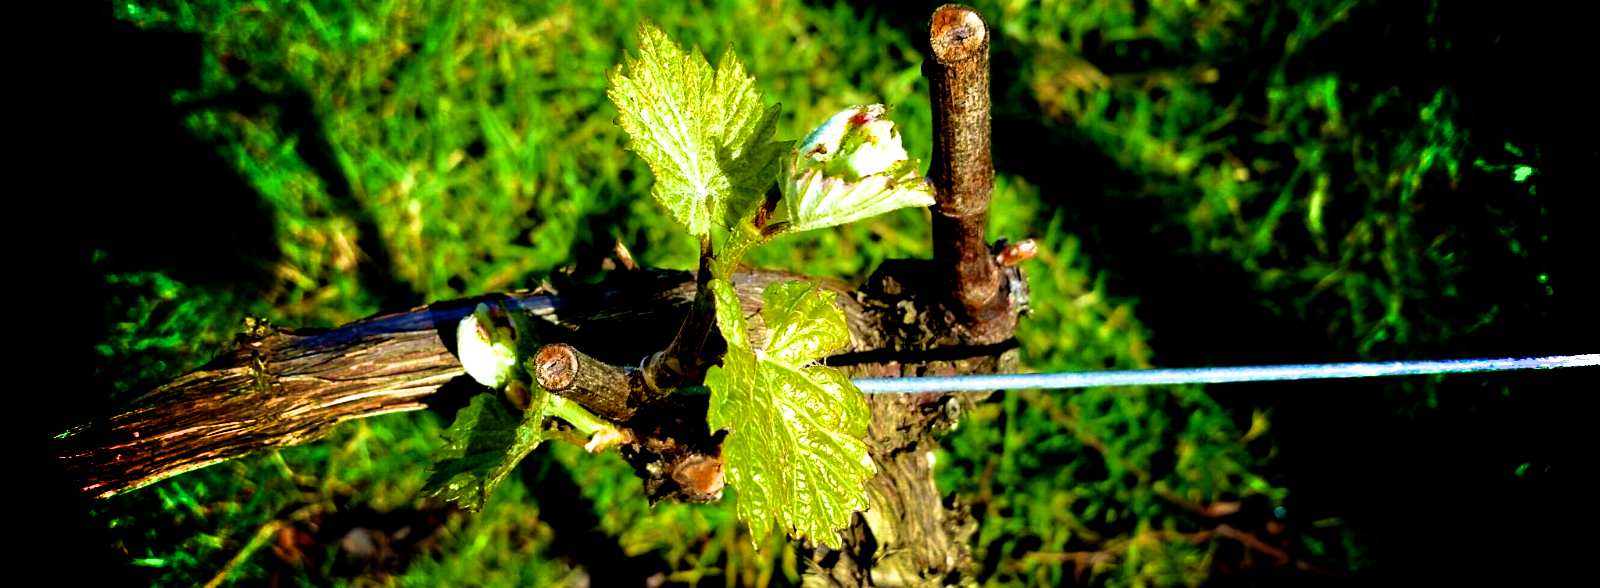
276	388
962	170
282	387
285	387
909	536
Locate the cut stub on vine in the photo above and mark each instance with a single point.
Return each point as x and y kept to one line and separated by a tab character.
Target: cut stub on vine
674	454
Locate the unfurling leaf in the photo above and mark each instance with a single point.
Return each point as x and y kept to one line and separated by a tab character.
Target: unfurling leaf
851	167
794	450
705	134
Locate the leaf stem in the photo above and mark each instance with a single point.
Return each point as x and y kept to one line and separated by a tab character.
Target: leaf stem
576	415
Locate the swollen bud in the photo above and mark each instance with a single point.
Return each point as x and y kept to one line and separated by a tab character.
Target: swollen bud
486	342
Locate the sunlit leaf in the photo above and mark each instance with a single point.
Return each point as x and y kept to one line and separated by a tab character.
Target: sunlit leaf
794	450
704	133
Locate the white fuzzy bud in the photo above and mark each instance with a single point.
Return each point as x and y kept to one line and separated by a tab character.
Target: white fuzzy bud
487	348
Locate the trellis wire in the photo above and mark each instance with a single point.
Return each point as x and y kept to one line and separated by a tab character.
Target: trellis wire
1221	375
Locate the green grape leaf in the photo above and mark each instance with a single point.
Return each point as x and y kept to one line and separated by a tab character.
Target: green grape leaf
481	448
816	200
794	450
704	133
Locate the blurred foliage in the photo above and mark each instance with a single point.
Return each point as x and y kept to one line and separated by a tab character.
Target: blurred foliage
1227	164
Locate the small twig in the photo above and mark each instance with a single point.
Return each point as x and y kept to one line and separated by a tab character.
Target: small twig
265	533
1118	548
1080	559
1254	543
1070	420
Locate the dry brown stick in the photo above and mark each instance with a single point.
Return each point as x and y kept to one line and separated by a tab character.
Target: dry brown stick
963	171
1070	420
1117	549
261	537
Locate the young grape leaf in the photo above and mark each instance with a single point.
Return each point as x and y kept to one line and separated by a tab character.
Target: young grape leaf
794	450
704	133
818	201
481	448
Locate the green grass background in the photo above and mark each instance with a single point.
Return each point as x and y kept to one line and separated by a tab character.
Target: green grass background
1211	183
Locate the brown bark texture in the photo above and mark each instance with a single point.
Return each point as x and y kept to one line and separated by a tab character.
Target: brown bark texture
282	387
962	170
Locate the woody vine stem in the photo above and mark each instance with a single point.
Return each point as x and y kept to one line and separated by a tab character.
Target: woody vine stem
742	333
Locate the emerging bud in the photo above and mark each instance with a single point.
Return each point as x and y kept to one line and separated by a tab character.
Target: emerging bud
852	167
486	342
